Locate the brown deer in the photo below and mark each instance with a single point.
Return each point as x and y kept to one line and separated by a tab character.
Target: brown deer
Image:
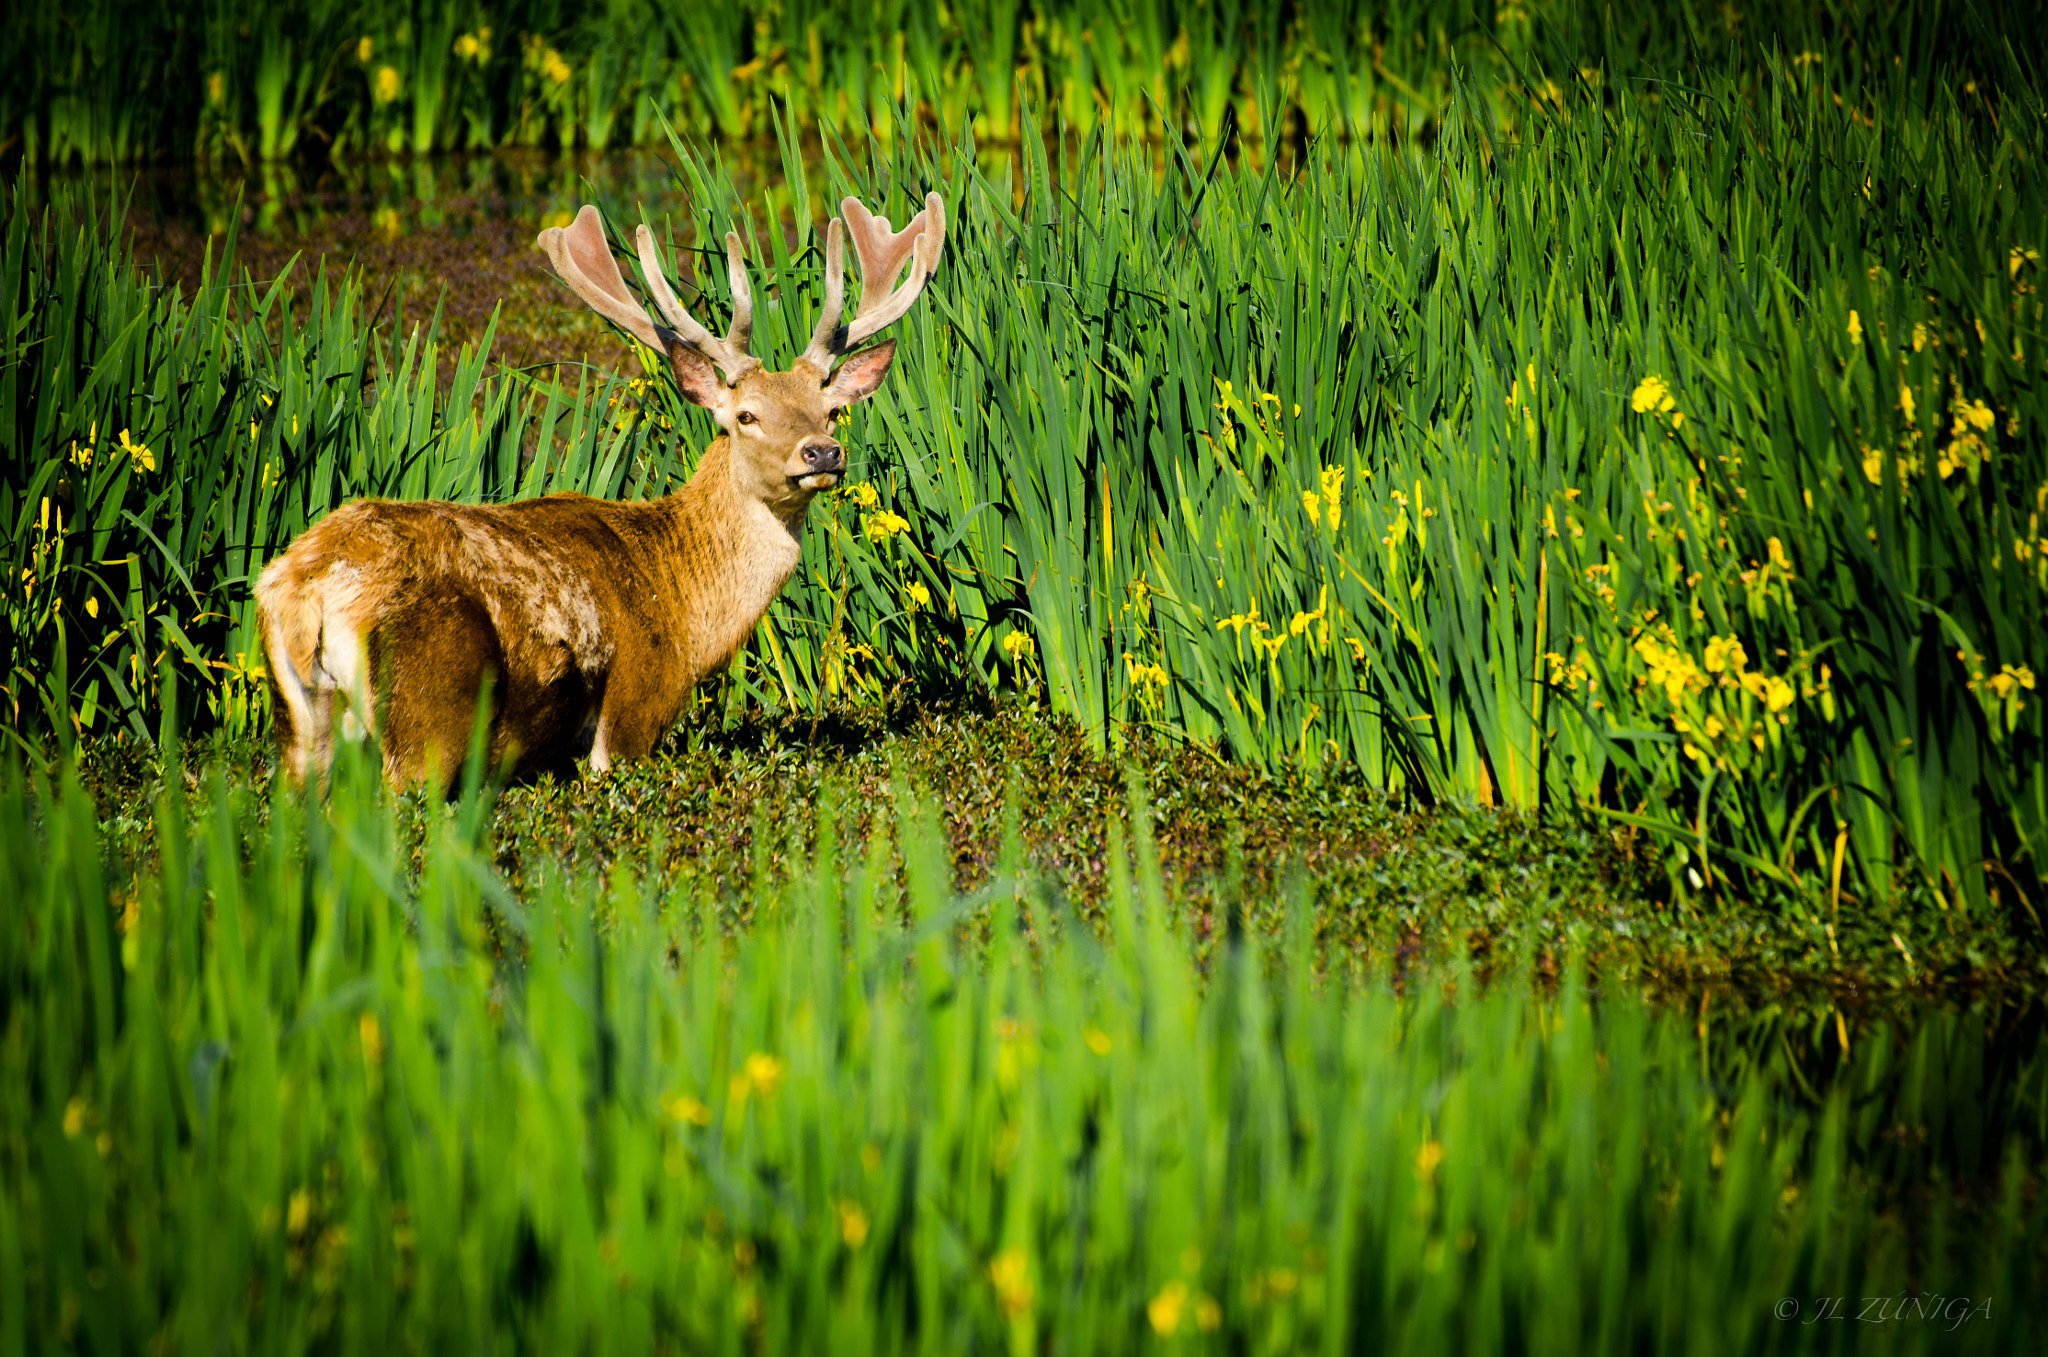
589	620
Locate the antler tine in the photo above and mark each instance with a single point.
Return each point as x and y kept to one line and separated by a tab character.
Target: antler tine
882	257
739	336
685	325
585	263
730	353
882	254
823	347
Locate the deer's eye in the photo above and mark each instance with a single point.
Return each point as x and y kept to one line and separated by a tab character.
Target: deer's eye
747	417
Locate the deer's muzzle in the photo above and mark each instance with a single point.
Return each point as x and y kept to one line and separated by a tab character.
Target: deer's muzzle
825	460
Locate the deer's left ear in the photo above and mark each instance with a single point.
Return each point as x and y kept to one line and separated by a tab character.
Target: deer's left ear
861	375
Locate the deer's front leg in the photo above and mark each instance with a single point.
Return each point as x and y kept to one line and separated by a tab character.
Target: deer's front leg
630	722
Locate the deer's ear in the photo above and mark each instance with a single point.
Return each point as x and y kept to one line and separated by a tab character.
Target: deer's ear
696	376
861	375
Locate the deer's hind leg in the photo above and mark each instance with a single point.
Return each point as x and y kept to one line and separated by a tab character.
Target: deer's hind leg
432	656
301	708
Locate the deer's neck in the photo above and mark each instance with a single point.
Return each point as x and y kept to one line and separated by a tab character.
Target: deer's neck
732	554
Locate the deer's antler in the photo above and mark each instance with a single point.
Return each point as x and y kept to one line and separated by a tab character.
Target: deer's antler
883	255
584	261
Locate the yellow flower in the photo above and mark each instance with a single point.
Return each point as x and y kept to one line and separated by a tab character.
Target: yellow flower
466	47
553	67
385	219
1164	1309
1011	1273
75	1113
365	49
1097	1039
1855	328
763	1072
216	88
1140	672
1653	397
138	453
1778	694
1239	621
853	1224
881	525
1725	654
2018	259
1208	1314
92	605
1017	645
864	495
298	1213
1427	1158
1670	668
385	87
686	1108
2008	679
1302	621
372	1037
917	595
1332	485
1906	402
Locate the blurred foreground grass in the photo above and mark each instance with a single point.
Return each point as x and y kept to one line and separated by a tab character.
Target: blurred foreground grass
325	1082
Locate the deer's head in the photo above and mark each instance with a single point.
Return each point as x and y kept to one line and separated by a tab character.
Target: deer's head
780	423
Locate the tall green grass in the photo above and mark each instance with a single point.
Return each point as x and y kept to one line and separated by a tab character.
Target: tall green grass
317	1081
1669	447
1679	456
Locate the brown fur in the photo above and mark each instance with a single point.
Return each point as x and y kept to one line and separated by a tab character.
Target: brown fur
592	620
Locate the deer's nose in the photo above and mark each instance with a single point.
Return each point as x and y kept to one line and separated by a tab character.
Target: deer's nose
822	454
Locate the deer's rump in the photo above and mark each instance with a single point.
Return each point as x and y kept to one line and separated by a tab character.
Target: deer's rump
404	611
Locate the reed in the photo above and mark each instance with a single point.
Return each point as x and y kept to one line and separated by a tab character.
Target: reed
313	1078
1672	451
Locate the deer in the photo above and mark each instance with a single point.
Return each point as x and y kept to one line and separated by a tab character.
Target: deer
570	625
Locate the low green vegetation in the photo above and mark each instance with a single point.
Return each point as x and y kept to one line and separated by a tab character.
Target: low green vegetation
321	1082
726	806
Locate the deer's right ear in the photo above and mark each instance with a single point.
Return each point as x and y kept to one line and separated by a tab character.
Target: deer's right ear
696	376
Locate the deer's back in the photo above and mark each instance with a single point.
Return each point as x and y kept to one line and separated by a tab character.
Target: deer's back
557	577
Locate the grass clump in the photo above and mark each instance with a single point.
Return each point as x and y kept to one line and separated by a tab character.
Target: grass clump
288	1088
